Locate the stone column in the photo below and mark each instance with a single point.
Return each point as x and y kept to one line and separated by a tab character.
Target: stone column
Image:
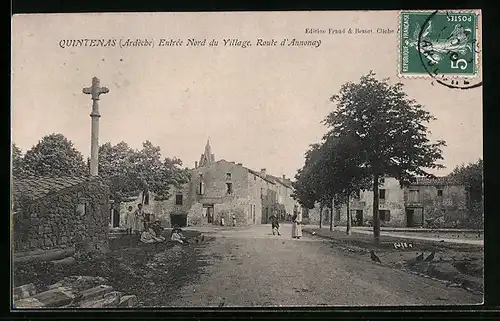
95	90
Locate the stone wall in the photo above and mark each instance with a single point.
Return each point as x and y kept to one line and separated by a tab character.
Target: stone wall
74	217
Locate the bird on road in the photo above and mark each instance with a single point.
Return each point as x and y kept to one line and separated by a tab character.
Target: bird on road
430	257
420	257
374	257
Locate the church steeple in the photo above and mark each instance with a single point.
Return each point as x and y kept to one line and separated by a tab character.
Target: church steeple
207	157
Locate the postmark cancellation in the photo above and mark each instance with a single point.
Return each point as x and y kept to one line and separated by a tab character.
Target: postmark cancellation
441	44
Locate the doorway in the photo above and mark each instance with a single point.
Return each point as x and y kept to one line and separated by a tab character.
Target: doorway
116	217
414	217
359	217
209	213
178	219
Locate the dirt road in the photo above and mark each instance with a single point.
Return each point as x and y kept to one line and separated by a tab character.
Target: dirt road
251	267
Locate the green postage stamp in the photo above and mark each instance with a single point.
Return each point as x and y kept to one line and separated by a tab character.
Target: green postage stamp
439	43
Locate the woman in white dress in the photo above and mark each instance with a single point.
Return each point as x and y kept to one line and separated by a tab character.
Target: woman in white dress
297	225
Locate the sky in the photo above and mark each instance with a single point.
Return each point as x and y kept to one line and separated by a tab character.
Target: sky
260	106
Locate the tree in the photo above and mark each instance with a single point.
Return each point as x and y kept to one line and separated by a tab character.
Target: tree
389	130
472	176
54	155
17	161
130	172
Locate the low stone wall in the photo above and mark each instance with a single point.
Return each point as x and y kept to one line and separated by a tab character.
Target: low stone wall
72	292
75	217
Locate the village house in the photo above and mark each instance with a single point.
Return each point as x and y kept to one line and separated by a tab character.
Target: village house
423	203
60	213
221	189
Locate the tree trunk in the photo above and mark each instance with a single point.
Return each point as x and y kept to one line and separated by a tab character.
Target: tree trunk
331	214
376	218
348	229
321	215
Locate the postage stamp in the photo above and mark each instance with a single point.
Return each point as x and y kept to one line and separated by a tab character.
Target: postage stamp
441	43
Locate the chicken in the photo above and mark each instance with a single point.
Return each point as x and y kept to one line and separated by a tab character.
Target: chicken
430	257
374	257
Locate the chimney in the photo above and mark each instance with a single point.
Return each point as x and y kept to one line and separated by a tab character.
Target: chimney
195	164
263	172
240	164
284	177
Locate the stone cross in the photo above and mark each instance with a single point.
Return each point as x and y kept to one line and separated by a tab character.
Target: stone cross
95	90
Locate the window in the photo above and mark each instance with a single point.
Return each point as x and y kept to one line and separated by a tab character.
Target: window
381	180
357	194
381	194
440	192
145	197
413	196
384	215
81	209
229	188
178	199
201	186
228	176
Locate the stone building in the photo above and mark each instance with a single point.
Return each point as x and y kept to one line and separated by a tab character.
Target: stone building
440	200
426	200
221	189
60	212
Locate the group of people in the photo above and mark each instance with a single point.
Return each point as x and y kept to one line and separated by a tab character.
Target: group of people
139	222
296	225
136	221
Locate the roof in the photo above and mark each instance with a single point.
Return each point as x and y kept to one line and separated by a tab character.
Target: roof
444	180
267	178
285	182
37	187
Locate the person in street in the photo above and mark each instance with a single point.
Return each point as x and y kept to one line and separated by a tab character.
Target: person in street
222	221
234	220
138	219
297	225
155	232
129	220
148	236
275	224
157	228
177	236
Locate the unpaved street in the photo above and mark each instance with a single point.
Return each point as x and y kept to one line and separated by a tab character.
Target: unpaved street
251	267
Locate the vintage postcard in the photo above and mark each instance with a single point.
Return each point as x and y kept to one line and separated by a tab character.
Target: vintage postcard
247	159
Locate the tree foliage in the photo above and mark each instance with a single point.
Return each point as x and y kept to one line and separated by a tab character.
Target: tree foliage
389	130
17	161
54	155
131	172
472	176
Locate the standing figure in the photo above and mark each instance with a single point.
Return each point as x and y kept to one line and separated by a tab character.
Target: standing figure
234	220
130	220
222	221
139	219
275	224
297	225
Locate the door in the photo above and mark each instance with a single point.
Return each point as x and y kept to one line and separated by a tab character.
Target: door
116	218
418	217
359	217
414	217
210	214
409	217
179	220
